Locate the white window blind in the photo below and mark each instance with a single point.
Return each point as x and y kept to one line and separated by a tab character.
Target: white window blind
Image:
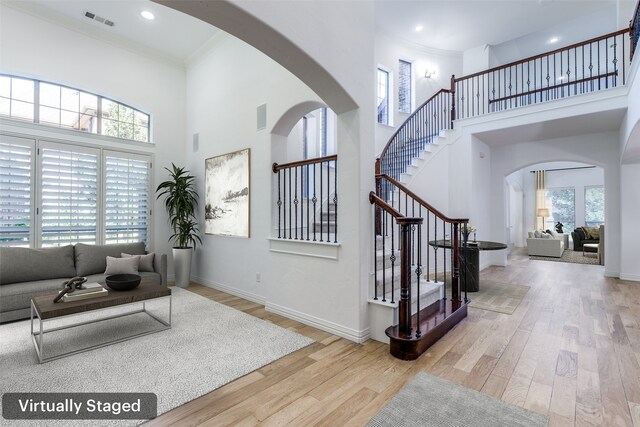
404	86
68	195
16	203
126	198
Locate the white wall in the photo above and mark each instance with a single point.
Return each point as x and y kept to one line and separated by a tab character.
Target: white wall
630	219
577	30
389	51
314	290
578	179
35	48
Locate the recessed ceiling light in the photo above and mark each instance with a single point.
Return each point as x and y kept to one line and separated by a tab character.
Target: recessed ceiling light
553	40
419	28
147	15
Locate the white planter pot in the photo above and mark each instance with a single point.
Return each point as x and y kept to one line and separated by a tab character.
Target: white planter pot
182	266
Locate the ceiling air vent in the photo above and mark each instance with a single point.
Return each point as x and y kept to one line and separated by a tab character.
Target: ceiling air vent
100	19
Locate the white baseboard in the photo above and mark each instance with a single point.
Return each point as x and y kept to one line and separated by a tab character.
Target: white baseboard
258	299
613	274
322	324
631	277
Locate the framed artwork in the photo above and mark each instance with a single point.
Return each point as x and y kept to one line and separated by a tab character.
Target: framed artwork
227	196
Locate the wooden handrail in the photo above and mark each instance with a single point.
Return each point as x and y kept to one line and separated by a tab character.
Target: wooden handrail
421	201
276	167
400	219
542	55
386	147
531	92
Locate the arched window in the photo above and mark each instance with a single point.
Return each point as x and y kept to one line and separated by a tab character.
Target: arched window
66	107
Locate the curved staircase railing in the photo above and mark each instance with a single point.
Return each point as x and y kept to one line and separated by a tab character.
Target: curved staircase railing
417	246
418	130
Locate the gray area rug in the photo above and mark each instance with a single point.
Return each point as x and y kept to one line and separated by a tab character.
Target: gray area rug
208	346
430	401
573	257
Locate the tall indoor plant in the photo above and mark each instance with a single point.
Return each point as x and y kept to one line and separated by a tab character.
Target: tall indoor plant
181	200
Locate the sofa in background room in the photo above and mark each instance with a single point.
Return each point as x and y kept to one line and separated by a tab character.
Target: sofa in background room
25	272
540	243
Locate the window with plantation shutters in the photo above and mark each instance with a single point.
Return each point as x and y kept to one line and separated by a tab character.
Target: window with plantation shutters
68	194
16	191
126	198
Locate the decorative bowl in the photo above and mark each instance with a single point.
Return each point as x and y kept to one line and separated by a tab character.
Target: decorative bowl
123	282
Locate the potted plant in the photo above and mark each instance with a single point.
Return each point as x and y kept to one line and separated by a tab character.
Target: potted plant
181	199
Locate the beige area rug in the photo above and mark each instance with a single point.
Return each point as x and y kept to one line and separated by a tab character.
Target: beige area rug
573	257
208	346
496	296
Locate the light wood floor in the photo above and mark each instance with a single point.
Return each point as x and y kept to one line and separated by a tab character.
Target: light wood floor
571	351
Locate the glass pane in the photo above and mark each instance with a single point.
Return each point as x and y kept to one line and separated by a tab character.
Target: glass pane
69	119
22	110
88	104
141	119
70	99
125	130
22	90
49	95
110	127
561	202
594	206
109	109
142	134
50	115
125	114
5	86
88	123
5	106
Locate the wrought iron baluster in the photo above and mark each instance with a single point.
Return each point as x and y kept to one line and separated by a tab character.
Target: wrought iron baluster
335	201
314	200
279	206
295	201
307	192
392	258
321	201
418	279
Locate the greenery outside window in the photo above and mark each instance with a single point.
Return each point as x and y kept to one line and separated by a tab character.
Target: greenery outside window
562	203
594	206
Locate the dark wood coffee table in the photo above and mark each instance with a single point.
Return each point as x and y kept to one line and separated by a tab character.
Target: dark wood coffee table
45	310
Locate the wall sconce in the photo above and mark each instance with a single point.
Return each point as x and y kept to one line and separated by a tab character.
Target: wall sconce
429	74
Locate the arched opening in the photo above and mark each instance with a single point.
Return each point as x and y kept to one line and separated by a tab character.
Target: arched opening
554	211
304	153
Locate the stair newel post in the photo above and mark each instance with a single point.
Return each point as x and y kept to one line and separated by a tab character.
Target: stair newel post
404	305
453	99
379	194
455	276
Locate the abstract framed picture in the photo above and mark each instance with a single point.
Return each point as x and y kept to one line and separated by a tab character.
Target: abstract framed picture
227	195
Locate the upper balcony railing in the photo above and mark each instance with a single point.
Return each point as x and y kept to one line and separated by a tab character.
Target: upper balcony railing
589	66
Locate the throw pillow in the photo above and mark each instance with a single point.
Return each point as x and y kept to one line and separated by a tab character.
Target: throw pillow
594	232
581	233
145	262
547	236
121	266
531	235
537	234
555	234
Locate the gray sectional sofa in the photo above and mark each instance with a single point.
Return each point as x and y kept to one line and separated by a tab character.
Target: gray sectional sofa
25	272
